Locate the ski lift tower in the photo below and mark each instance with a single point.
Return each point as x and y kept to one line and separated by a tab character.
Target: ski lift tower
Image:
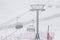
37	8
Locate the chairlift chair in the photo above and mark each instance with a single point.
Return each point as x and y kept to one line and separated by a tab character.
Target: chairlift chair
19	26
30	29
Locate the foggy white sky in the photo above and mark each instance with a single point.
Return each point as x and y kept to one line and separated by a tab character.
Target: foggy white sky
17	7
10	9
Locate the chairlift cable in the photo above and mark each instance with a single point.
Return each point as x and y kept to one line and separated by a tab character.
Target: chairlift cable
15	18
10	34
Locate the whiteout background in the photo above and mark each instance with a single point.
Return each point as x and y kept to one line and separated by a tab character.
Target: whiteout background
10	9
